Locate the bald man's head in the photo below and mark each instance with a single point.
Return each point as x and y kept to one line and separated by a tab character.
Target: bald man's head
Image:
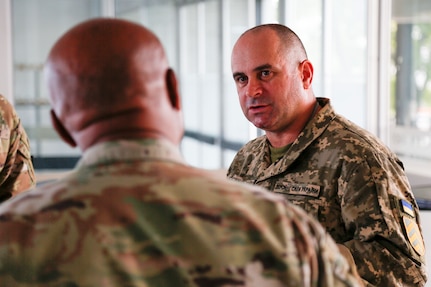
289	43
104	68
102	62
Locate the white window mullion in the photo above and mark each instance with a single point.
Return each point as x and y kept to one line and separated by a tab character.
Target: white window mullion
6	71
378	62
385	12
107	8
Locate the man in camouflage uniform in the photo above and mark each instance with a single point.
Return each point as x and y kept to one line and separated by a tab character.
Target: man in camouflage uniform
132	213
16	167
341	174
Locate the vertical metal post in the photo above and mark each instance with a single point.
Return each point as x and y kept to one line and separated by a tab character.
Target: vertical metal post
404	63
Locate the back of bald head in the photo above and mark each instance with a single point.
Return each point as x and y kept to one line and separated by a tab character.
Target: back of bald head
101	64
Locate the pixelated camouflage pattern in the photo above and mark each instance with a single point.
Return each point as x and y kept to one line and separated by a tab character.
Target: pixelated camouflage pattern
133	214
16	167
353	185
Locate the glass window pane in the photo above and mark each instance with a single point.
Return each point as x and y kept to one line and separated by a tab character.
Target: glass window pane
236	126
411	84
36	25
153	15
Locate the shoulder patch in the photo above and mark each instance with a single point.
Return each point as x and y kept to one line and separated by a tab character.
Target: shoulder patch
411	227
414	235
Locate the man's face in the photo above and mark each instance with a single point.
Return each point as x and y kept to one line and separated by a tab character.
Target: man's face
268	86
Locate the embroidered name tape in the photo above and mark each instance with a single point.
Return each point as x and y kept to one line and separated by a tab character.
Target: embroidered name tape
299	189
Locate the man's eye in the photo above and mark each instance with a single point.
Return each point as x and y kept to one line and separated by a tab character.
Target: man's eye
241	79
265	73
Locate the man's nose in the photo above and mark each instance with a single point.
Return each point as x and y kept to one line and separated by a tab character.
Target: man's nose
253	89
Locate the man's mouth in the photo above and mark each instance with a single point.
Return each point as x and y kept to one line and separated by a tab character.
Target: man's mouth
257	108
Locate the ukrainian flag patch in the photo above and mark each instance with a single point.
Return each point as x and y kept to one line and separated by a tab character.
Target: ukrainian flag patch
407	208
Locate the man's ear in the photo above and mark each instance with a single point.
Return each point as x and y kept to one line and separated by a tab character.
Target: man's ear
62	132
307	70
172	86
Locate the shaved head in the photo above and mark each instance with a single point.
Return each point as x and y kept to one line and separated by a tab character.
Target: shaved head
105	68
102	62
288	40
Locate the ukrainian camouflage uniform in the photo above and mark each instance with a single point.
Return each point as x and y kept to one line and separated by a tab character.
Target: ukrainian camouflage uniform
133	214
355	186
16	167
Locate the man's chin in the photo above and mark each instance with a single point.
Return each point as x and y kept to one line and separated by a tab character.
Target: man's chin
260	125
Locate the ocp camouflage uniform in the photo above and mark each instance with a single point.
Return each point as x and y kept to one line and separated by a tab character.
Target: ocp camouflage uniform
132	213
16	167
355	186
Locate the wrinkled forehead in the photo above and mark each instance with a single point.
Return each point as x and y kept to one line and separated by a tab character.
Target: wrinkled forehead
255	49
255	39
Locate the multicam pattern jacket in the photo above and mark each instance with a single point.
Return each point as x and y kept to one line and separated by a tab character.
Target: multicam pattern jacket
355	186
133	214
16	167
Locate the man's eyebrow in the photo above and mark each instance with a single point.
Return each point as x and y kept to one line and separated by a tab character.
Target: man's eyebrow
262	67
237	74
257	69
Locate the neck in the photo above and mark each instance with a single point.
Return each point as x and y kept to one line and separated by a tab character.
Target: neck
131	125
289	135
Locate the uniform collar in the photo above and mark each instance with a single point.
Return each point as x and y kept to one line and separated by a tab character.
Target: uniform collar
130	150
